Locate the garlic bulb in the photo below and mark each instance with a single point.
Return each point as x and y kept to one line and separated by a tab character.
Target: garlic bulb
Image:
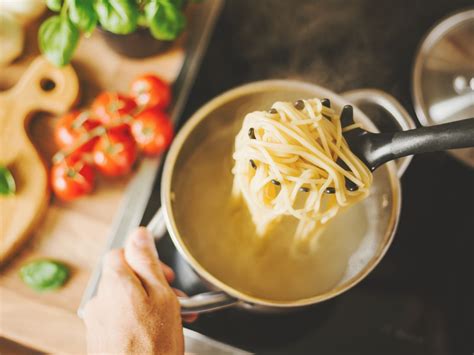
24	10
11	38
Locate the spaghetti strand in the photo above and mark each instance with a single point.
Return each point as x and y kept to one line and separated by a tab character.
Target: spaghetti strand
286	160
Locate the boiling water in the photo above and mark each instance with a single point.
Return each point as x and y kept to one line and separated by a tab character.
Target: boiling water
219	234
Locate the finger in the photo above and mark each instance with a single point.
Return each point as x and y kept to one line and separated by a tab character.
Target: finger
89	310
188	318
141	255
169	273
117	273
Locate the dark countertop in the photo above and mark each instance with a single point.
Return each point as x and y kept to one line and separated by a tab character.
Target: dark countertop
419	300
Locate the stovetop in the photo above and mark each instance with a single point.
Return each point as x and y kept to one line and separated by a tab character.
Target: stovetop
419	299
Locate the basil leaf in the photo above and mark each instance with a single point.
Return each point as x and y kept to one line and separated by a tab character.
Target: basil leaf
82	14
117	16
44	275
166	21
54	5
142	20
58	38
7	182
178	3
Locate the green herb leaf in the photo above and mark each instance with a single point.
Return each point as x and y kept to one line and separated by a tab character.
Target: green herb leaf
166	21
82	14
58	38
44	275
142	20
7	182
178	3
54	5
117	16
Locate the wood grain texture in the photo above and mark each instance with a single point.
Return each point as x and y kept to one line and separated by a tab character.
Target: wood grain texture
21	212
73	232
53	327
9	347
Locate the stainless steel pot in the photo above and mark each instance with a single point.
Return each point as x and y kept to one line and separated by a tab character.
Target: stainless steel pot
224	110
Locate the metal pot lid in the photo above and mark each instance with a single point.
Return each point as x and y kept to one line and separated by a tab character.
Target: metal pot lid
443	76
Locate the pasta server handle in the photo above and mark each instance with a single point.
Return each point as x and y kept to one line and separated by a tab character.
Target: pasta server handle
376	149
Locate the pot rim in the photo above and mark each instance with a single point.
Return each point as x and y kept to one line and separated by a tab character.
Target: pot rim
168	168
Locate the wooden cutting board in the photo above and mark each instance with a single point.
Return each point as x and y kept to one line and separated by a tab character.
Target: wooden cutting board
43	87
75	232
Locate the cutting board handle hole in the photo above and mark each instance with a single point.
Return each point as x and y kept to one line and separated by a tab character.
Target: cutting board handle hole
47	84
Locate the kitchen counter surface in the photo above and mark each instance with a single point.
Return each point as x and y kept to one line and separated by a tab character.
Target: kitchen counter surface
419	299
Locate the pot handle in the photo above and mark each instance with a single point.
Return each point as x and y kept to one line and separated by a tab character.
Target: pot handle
392	106
206	302
200	303
157	225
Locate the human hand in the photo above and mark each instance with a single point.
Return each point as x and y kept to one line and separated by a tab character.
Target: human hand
135	310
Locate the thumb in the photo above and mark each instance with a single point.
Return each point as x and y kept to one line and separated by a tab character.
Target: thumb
141	255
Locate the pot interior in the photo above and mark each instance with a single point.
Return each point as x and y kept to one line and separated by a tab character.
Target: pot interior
215	234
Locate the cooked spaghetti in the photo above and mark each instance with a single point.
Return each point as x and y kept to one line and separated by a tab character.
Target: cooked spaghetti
294	161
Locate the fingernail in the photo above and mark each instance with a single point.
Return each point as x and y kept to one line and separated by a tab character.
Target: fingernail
142	238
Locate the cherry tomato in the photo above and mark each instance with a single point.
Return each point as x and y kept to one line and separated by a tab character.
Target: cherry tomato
115	153
71	177
73	127
152	130
112	108
123	129
150	91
